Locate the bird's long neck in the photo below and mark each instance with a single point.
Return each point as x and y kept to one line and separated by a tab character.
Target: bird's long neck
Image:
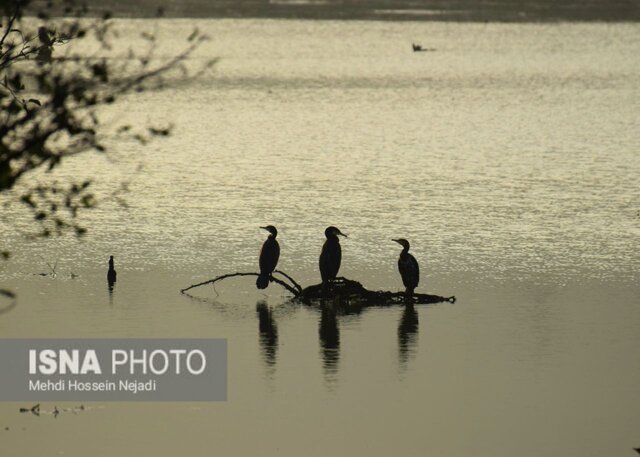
111	264
405	250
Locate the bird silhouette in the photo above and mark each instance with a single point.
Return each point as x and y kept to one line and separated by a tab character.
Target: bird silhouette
408	266
111	274
331	254
269	255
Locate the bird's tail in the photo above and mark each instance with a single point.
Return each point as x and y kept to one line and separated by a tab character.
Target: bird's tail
262	282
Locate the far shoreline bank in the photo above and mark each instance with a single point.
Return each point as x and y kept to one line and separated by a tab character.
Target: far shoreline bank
504	11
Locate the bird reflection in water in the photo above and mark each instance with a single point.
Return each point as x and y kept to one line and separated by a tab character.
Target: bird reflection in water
329	341
268	334
407	334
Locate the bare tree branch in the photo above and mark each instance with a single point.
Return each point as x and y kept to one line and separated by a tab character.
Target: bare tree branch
295	284
231	275
10	24
346	291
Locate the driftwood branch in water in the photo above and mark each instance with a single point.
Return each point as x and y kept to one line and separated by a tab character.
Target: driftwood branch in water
293	281
346	291
349	291
231	275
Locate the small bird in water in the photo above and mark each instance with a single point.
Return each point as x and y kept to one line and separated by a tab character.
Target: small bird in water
408	266
111	274
331	254
419	48
269	256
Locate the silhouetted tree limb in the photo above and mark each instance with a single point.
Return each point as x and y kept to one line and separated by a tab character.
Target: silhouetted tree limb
52	99
51	96
295	284
231	275
346	291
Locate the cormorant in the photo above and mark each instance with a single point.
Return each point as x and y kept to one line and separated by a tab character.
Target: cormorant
111	274
408	266
331	254
269	256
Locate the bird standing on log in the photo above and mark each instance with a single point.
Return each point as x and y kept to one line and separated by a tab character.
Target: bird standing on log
331	254
269	256
408	266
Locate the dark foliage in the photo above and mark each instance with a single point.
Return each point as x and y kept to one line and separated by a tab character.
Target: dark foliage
50	100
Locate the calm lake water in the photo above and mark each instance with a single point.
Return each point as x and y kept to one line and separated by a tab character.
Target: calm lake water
508	156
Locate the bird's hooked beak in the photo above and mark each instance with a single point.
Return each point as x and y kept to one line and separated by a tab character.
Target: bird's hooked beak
338	232
402	242
269	229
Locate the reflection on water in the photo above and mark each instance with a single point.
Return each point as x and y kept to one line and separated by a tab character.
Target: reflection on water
268	331
111	284
330	313
407	334
329	332
110	287
4	307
